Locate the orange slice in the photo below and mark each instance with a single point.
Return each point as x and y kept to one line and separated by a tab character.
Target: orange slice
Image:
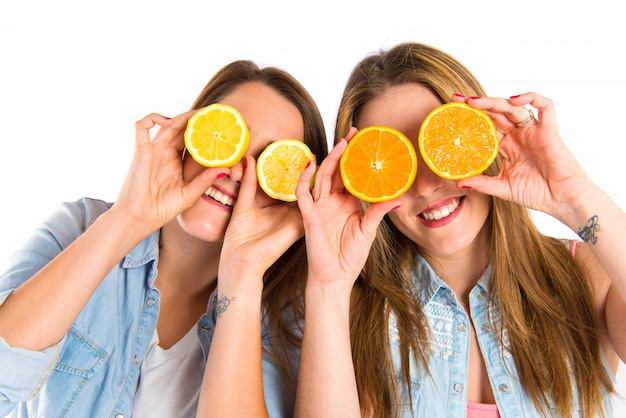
458	141
217	136
378	164
279	167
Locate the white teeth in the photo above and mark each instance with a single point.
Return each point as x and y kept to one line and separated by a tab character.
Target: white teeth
220	197
442	212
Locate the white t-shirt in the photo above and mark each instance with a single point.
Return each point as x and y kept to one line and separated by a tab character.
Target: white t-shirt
170	380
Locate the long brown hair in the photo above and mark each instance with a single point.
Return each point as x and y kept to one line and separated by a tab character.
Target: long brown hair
283	281
545	302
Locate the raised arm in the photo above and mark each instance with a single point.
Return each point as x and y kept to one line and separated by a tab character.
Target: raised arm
338	241
38	313
259	232
540	173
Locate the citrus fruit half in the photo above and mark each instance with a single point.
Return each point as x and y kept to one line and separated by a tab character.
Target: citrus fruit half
458	141
279	167
378	164
217	136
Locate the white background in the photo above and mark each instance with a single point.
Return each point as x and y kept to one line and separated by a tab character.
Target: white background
76	75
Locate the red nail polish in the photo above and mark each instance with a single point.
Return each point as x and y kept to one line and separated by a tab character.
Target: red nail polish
220	175
308	164
167	118
475	97
514	97
245	162
396	207
465	187
458	95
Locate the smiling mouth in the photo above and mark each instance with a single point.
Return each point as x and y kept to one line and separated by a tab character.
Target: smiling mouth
442	212
220	197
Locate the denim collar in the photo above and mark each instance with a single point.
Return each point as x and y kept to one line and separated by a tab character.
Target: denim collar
427	283
145	252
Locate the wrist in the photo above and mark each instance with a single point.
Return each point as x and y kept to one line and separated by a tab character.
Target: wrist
327	307
239	282
335	292
127	222
587	205
239	305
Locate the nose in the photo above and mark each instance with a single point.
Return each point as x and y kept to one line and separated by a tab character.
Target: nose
426	182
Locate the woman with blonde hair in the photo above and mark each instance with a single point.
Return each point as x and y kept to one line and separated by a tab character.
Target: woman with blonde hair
462	308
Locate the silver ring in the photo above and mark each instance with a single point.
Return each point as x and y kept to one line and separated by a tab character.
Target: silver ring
531	118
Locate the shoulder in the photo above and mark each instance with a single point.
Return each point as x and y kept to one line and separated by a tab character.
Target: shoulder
86	209
66	223
75	216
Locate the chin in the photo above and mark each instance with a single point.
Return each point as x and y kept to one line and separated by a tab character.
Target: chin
202	229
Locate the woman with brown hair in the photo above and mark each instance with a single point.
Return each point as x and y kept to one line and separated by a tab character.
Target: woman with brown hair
462	308
109	309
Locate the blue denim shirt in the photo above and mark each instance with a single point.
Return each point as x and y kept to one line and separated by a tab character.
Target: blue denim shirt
93	371
443	392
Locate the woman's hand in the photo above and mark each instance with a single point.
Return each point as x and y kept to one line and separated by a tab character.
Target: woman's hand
154	191
260	230
538	171
338	236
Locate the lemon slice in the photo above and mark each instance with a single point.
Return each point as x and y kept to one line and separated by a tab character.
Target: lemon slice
279	167
217	136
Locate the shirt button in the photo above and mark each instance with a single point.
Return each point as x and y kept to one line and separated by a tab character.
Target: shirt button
458	387
205	328
503	387
485	328
461	327
119	416
481	295
136	359
151	302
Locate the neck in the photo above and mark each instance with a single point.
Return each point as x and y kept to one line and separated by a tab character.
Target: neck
186	277
462	270
187	265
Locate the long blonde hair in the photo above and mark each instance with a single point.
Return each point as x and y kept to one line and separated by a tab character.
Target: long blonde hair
545	302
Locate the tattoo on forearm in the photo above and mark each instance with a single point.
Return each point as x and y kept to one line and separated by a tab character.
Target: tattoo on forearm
588	232
222	305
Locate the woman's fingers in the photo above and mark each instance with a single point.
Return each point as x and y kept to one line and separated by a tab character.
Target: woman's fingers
303	193
329	171
325	176
143	126
546	114
171	131
519	111
247	190
375	214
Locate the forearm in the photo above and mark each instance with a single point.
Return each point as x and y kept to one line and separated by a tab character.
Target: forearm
233	380
39	313
326	380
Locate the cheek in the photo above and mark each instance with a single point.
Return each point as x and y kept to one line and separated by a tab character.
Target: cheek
483	205
402	219
191	168
194	221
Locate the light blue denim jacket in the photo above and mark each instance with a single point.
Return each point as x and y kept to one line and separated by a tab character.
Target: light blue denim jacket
443	392
93	371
